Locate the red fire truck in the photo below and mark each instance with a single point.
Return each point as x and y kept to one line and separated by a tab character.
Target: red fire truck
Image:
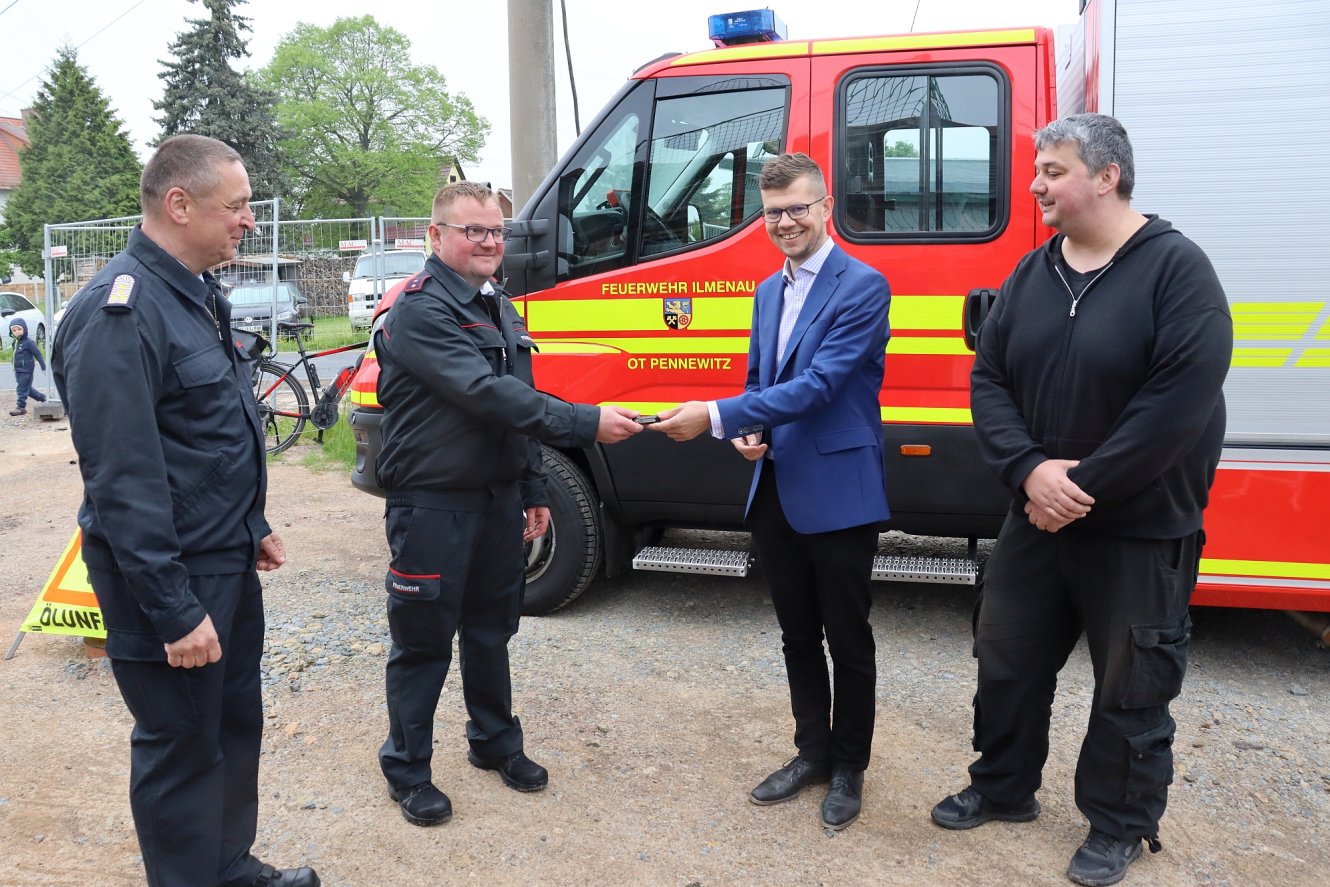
636	260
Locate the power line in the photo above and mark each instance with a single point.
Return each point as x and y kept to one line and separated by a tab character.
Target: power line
14	91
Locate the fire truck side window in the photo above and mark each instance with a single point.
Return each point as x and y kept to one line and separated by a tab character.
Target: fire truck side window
706	151
920	157
594	201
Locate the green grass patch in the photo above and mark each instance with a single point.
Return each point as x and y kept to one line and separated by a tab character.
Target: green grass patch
336	453
333	332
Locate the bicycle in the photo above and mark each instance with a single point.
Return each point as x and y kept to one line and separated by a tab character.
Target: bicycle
283	404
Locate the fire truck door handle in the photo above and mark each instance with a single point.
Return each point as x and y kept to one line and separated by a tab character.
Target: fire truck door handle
977	305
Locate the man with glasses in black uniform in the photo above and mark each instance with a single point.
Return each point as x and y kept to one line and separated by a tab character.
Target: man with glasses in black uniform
462	468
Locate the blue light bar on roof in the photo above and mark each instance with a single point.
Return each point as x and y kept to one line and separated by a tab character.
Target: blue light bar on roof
753	26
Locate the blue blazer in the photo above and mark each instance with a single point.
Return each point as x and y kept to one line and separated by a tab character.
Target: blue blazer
819	406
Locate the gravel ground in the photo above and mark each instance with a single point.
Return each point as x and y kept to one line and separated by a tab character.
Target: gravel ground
656	702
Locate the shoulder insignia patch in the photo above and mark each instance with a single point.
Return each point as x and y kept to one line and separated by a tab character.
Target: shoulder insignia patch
121	295
417	283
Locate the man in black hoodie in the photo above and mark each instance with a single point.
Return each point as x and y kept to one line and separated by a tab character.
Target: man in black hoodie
1097	397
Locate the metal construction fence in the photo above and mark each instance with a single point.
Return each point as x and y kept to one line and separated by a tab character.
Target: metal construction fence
318	257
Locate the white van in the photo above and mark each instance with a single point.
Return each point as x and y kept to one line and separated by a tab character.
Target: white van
374	274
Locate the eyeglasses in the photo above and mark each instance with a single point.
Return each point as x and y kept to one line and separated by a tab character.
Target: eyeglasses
795	212
478	233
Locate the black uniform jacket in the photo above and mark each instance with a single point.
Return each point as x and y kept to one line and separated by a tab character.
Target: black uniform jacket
168	439
1129	381
460	410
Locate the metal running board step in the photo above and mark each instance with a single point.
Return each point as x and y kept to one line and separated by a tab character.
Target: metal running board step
713	561
954	570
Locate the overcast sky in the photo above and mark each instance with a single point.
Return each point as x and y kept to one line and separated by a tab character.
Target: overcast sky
120	43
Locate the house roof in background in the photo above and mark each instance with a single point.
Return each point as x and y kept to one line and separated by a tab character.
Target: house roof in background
13	136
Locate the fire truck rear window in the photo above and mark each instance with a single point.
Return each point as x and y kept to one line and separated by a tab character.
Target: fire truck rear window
920	154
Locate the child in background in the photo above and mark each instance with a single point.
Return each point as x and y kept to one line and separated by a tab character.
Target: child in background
26	355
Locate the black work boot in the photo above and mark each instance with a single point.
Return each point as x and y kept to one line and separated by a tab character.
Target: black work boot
1103	859
969	809
422	804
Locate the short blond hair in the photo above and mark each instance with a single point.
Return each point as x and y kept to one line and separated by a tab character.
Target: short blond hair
450	194
781	172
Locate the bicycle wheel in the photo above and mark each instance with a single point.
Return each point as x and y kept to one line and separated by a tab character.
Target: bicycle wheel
283	405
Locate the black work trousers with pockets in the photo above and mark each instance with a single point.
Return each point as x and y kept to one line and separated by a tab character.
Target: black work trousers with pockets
1129	596
457	569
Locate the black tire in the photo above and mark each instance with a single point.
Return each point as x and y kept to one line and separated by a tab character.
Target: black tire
561	564
40	336
283	410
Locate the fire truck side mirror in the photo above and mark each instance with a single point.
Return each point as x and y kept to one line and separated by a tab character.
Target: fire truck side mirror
977	305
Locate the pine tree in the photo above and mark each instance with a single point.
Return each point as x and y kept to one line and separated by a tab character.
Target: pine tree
79	164
204	95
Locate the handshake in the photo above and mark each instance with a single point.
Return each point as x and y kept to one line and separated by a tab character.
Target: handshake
684	422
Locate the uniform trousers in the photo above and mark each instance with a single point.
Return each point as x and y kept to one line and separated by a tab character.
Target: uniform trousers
460	572
194	749
820	585
1129	597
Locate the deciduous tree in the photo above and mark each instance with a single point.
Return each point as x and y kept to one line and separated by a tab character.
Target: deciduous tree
368	130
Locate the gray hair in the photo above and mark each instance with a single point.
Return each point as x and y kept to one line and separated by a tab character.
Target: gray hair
192	163
1099	139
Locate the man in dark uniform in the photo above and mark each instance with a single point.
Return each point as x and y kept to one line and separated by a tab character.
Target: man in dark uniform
460	463
1097	393
172	458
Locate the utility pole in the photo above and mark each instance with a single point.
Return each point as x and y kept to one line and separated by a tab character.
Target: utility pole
531	94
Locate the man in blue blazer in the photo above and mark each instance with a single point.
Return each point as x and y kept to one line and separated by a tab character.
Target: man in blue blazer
810	421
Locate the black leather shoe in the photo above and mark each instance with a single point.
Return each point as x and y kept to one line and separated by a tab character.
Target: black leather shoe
423	804
1103	860
844	798
518	771
797	774
969	809
272	877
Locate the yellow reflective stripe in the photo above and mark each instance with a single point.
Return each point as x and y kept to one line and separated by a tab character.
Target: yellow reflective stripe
736	345
714	313
927	345
682	344
1261	357
742	53
1276	321
932	415
1314	357
364	398
926	312
1265	569
645	407
923	41
612	313
1277	332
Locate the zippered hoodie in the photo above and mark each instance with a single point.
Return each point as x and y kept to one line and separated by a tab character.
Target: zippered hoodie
26	352
1127	378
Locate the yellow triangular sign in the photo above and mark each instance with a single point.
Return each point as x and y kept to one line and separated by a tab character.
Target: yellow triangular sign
67	604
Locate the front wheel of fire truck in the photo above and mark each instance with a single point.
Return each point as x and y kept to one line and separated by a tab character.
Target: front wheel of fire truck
561	564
